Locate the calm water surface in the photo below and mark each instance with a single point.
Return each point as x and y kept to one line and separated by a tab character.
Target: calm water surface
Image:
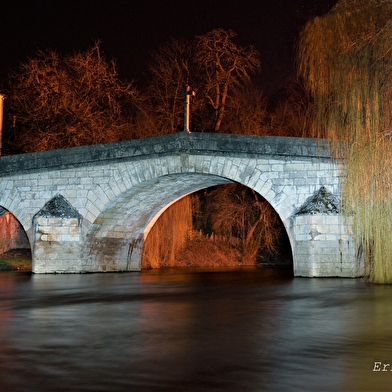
184	330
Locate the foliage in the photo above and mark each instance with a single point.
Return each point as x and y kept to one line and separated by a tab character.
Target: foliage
16	259
244	219
207	252
168	236
4	266
58	101
224	64
246	112
227	225
213	65
163	104
293	111
345	59
226	98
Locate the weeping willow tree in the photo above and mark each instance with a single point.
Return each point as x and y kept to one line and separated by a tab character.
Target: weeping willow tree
345	58
168	236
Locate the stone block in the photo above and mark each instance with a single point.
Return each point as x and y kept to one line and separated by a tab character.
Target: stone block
49	237
69	237
42	221
52	221
74	229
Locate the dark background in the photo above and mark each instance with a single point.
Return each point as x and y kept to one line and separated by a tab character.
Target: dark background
131	29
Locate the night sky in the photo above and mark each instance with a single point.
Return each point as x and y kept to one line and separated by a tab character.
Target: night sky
131	29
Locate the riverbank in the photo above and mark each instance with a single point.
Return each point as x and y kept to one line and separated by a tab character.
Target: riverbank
16	259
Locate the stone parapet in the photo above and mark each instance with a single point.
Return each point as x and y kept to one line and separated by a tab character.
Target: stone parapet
195	143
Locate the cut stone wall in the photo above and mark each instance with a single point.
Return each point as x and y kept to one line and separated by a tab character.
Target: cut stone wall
57	245
324	247
57	238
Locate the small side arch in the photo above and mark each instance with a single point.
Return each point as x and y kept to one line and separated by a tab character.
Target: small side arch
13	238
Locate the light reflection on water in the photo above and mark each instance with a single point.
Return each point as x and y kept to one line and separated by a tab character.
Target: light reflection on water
183	330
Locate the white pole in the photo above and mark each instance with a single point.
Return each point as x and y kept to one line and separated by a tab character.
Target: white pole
188	93
187	107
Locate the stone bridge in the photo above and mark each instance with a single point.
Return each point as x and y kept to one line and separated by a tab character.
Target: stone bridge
90	209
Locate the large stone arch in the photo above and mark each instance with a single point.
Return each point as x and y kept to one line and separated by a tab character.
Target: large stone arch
116	238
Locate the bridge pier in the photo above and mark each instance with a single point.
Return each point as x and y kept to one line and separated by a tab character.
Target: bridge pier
58	240
323	239
324	247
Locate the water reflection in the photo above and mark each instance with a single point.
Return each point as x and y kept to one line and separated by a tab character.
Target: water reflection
249	330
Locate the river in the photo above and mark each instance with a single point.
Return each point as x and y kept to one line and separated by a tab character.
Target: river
193	330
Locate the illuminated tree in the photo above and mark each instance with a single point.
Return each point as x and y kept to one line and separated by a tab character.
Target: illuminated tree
224	65
161	110
345	59
180	63
60	101
170	72
244	218
168	236
293	112
246	111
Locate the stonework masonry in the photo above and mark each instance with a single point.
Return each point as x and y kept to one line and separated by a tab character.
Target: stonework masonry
116	191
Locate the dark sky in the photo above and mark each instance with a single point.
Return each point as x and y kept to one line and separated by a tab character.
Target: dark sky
131	29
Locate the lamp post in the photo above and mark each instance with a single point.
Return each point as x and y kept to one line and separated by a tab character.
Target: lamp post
188	94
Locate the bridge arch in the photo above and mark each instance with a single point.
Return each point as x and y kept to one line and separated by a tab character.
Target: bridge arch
116	238
13	203
12	233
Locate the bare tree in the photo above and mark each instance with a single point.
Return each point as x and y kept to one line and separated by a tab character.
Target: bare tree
172	68
170	73
292	111
225	64
60	101
245	219
246	111
214	66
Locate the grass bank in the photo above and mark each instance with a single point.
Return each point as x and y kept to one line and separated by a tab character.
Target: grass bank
16	259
